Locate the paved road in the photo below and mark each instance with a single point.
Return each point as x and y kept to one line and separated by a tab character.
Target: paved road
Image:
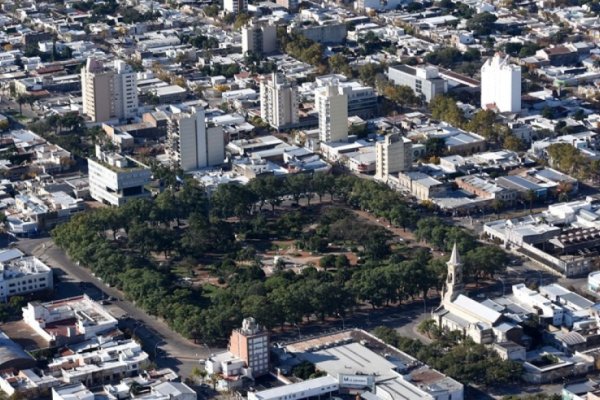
169	348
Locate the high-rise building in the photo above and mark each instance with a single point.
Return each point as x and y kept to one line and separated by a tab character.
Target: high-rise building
235	6
259	38
278	101
192	144
393	154
109	91
251	344
501	84
331	102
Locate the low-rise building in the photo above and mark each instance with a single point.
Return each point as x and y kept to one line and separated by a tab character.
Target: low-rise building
23	275
112	361
424	81
420	185
68	321
116	179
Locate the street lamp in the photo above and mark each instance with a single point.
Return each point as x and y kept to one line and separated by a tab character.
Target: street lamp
299	334
156	348
137	325
343	321
503	286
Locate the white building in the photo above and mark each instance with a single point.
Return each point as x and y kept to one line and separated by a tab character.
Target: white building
531	298
69	320
394	154
425	81
259	38
109	92
192	145
332	105
72	392
235	6
594	281
501	85
24	275
325	385
278	101
112	361
116	179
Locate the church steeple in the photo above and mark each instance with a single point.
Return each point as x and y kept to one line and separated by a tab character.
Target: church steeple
454	280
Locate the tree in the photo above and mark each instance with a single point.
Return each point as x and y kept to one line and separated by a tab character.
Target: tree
338	64
444	108
328	261
482	123
511	142
482	24
429	327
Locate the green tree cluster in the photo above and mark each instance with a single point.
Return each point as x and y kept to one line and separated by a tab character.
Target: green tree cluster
460	358
480	261
570	160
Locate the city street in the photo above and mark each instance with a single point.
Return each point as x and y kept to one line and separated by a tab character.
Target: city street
169	348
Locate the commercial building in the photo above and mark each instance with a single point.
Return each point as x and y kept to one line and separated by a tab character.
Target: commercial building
424	81
393	154
251	344
23	275
235	6
259	38
247	356
331	104
115	179
192	144
329	32
278	101
357	363
421	186
500	85
323	386
108	91
69	320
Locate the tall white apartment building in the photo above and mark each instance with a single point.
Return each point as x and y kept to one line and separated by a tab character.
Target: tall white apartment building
235	6
115	179
331	102
109	91
259	38
393	154
501	84
23	275
278	101
192	144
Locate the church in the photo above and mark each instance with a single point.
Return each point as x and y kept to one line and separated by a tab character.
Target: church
457	312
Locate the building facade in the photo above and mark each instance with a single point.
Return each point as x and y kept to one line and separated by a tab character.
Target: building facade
424	81
278	102
24	275
331	103
108	91
193	145
115	179
251	344
501	84
394	154
259	38
235	6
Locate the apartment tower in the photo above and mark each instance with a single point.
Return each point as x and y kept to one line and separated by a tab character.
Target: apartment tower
109	91
278	101
393	155
331	102
191	143
501	84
